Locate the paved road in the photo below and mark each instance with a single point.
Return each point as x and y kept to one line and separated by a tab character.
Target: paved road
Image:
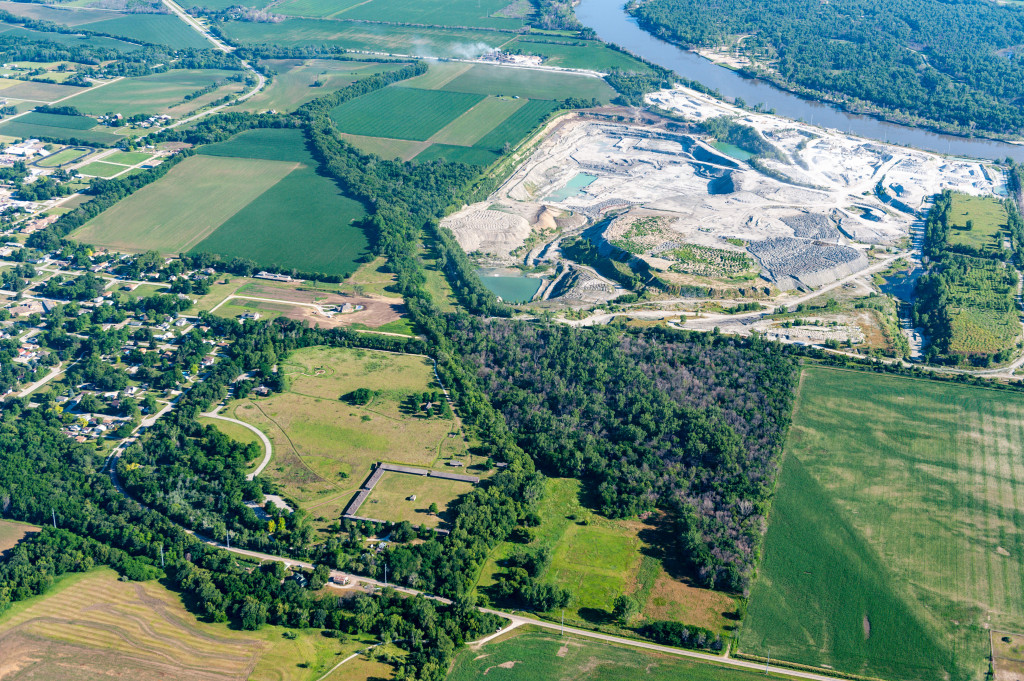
266	443
223	47
45	379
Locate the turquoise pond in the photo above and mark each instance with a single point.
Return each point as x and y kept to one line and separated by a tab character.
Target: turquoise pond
573	187
512	289
737	153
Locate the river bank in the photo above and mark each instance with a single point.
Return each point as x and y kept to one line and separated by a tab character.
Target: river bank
611	22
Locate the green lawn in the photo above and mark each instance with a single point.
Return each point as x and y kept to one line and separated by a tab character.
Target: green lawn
63	156
127	158
101	169
402	113
988	222
530	654
897	519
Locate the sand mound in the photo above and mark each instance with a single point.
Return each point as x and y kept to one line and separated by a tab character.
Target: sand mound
488	231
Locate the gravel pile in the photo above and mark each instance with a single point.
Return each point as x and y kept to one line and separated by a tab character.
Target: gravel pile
812	226
793	262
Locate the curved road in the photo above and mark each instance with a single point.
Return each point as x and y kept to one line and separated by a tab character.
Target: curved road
266	443
223	47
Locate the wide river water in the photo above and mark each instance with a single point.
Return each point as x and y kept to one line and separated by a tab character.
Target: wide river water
614	25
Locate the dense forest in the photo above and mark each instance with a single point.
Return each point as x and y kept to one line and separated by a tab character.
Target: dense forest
691	423
958	64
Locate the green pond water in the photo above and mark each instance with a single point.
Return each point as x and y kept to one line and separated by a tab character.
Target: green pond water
737	153
512	289
573	187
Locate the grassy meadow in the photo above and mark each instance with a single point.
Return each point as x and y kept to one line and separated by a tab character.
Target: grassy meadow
529	654
101	627
895	536
159	93
324	447
390	499
598	559
988	222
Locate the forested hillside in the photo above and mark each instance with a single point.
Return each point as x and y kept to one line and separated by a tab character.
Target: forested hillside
690	423
955	63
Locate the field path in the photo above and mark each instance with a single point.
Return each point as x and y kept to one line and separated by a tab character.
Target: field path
266	442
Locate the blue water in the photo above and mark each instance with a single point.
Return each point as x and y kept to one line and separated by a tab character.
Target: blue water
573	187
512	289
613	24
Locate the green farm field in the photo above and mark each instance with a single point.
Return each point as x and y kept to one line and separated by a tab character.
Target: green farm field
485	79
398	40
160	93
321	222
324	447
66	16
100	626
415	114
176	212
988	222
530	654
26	129
895	536
293	84
69	39
598	559
390	498
38	92
484	14
582	54
58	121
157	29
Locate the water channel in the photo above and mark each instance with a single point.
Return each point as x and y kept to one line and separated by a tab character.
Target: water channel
614	25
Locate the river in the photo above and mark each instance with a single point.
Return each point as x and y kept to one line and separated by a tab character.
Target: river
614	25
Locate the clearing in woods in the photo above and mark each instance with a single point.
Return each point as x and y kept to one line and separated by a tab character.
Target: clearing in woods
897	518
390	498
527	654
11	533
177	211
598	559
325	447
988	222
93	626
